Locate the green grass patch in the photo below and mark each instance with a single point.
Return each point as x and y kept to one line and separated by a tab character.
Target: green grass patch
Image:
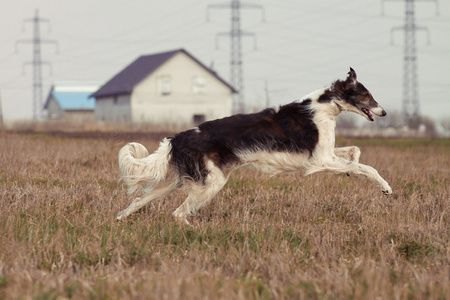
413	250
43	136
48	295
302	288
2	281
2	179
70	289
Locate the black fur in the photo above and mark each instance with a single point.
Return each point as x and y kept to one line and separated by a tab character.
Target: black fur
352	92
326	97
348	90
291	129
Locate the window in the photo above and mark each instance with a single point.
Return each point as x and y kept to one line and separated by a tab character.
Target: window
199	85
121	100
165	85
198	119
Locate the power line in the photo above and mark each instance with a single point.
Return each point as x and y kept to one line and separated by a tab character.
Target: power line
37	63
235	34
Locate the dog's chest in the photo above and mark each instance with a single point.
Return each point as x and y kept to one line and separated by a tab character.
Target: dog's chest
275	162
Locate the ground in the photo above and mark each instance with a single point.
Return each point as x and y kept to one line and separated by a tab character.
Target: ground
284	237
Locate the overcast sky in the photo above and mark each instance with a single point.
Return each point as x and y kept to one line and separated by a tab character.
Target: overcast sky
301	46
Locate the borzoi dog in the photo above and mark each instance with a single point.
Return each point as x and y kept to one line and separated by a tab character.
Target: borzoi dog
295	137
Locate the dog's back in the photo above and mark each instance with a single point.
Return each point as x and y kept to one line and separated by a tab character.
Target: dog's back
229	141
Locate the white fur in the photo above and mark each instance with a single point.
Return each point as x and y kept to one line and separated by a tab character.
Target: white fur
140	170
274	163
378	110
314	95
201	194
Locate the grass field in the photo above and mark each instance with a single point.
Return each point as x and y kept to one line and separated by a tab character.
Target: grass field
285	237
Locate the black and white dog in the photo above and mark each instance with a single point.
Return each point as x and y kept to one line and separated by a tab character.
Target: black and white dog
297	137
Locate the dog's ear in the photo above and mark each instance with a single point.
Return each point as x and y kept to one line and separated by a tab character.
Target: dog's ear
351	76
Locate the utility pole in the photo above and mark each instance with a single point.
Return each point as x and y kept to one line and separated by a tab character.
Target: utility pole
410	102
235	34
37	63
266	91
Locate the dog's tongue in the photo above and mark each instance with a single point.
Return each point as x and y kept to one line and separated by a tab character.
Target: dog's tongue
368	113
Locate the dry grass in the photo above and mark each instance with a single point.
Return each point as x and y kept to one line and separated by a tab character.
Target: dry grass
287	237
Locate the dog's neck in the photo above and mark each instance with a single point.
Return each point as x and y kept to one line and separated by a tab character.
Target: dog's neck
325	115
325	120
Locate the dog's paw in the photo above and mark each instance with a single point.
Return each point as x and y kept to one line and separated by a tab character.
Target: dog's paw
182	221
120	215
181	218
387	190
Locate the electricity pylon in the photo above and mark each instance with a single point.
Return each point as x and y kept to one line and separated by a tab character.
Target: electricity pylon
37	63
236	34
410	102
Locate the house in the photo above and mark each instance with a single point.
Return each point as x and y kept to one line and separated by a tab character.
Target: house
70	101
164	88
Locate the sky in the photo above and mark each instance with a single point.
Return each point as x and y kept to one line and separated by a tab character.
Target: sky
300	46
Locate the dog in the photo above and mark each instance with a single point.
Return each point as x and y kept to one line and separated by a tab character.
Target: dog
297	137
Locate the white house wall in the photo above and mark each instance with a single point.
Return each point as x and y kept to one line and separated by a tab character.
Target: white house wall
148	105
79	116
54	110
113	109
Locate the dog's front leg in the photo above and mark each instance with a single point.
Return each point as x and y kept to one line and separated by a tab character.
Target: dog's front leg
351	153
340	165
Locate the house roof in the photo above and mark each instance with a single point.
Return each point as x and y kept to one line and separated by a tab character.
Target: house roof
74	100
73	95
124	82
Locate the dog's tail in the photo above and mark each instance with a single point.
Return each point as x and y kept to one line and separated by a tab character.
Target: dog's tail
141	171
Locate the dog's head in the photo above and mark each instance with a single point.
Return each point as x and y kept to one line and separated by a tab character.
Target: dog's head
353	96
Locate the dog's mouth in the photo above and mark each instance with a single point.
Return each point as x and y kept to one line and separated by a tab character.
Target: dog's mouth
367	113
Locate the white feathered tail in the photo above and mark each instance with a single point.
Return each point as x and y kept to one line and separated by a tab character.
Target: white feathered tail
141	171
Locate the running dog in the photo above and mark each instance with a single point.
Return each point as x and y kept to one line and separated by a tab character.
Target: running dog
297	137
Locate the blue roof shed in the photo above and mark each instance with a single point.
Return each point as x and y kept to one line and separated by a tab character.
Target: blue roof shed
70	97
73	99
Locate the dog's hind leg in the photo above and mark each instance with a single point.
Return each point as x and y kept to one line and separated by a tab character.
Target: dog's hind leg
157	192
201	193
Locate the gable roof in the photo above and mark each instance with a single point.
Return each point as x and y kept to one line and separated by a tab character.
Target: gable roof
73	95
124	82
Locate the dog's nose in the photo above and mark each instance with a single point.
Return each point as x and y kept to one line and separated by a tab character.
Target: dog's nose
383	113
